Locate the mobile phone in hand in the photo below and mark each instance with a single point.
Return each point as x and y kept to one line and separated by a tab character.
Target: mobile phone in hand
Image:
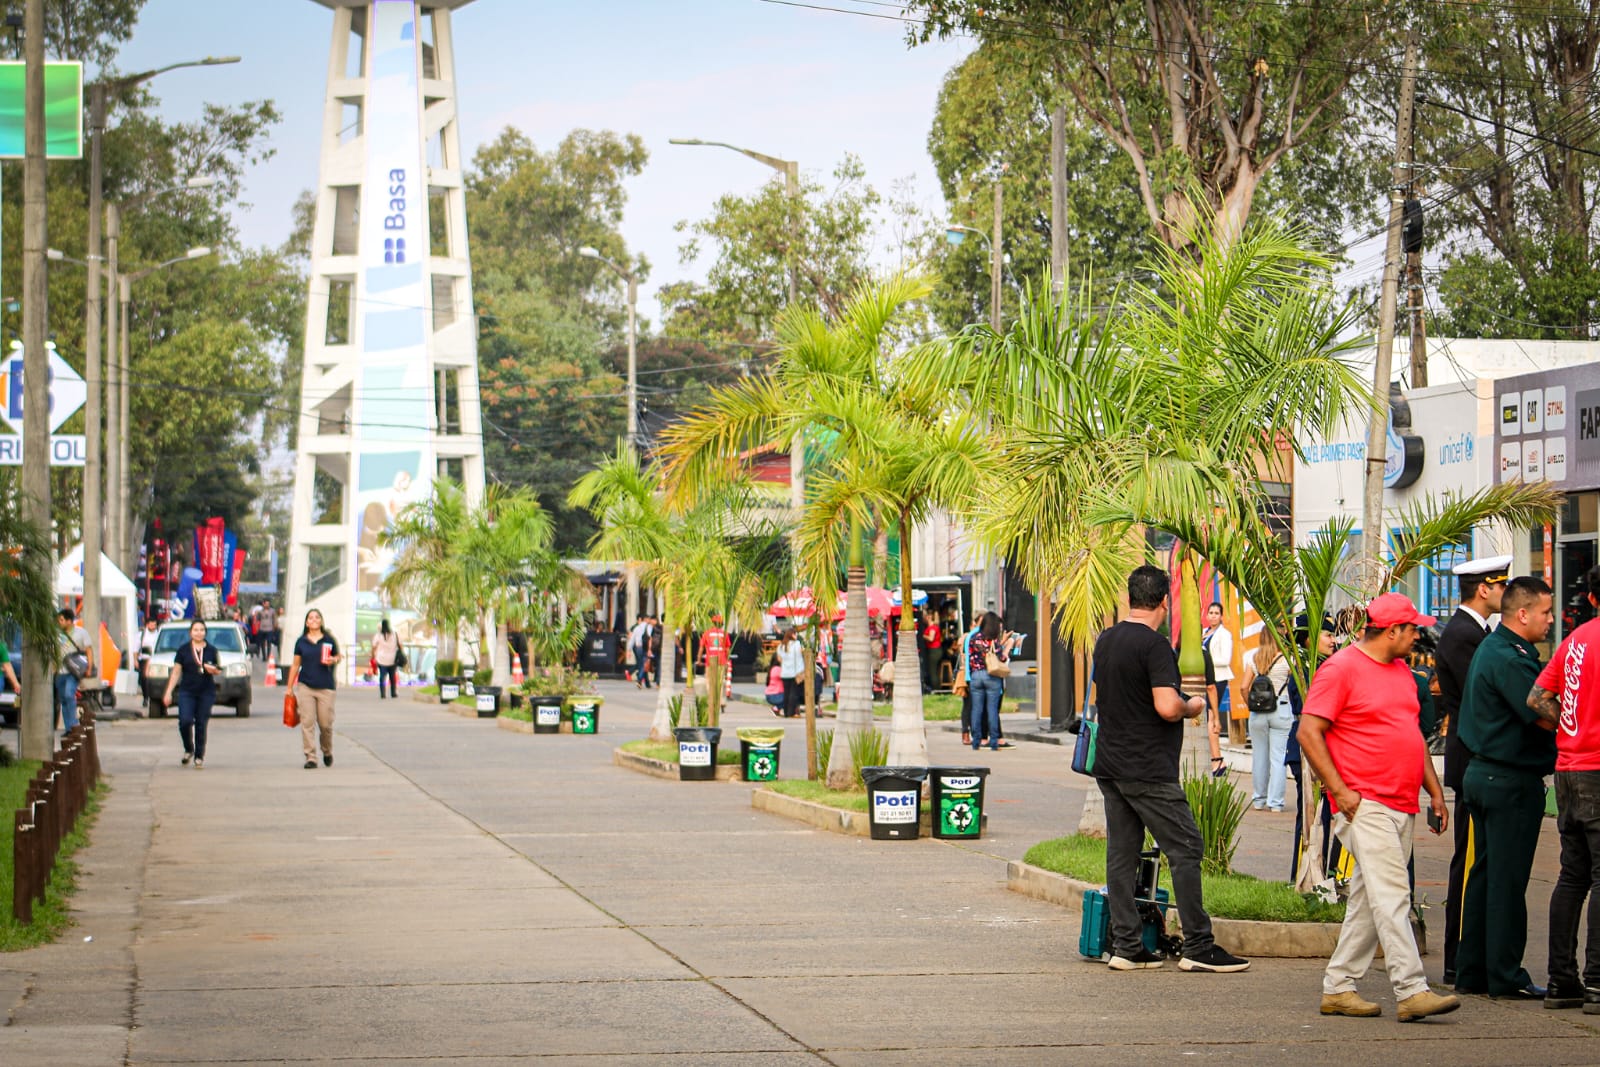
1435	823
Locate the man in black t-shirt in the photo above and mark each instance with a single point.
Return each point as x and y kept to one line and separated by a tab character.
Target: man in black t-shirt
1138	744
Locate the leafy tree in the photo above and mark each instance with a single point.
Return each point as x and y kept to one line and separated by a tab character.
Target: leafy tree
754	240
1509	127
1203	100
87	30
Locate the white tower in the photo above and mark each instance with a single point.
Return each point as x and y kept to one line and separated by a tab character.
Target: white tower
389	398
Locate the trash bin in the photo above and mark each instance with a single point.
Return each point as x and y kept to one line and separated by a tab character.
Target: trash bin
697	752
955	800
546	714
585	716
758	752
488	698
894	801
449	688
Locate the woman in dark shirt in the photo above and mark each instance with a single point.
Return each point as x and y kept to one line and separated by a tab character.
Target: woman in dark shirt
194	671
311	678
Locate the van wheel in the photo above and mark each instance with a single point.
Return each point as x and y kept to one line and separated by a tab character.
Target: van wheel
155	709
242	708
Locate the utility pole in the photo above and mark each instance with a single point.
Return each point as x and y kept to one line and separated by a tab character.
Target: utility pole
1049	650
797	451
1059	253
37	660
93	487
1372	499
996	260
115	383
1412	237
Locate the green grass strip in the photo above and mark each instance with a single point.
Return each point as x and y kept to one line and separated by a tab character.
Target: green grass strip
817	793
51	918
1226	896
668	751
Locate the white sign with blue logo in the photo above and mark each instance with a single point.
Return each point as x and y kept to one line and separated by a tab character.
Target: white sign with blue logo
694	753
893	806
67	394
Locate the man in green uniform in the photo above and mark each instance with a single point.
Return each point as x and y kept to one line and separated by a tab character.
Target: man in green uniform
1513	749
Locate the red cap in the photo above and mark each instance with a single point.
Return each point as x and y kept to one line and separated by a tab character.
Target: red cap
1395	609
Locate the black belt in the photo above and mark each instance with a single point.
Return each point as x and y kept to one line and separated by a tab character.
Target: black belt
1502	765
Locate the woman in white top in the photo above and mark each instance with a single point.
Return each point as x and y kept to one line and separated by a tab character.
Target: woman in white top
1269	730
1218	643
792	669
385	650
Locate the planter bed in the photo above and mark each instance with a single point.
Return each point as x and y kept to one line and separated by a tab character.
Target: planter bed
662	768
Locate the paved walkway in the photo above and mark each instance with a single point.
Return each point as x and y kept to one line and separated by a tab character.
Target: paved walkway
450	892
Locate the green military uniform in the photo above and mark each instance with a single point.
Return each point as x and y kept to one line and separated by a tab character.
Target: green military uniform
1504	791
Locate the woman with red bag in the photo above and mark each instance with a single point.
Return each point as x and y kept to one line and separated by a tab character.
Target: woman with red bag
311	681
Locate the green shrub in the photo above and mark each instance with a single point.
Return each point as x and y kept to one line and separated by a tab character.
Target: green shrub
824	750
1218	810
675	708
483	677
702	711
868	748
447	668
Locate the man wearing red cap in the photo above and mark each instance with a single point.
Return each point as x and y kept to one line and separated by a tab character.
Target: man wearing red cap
714	647
1359	732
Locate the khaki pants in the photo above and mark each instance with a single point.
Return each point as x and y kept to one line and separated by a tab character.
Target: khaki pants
1379	909
316	711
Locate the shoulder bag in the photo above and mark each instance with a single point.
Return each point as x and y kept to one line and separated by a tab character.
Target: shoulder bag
1088	728
997	667
291	710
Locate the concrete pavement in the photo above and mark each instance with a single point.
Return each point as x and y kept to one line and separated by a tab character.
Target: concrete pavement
449	892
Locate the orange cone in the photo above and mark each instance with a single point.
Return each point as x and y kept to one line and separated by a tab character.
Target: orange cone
516	669
272	668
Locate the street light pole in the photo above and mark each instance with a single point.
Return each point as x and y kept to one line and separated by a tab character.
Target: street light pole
790	169
114	432
994	259
34	715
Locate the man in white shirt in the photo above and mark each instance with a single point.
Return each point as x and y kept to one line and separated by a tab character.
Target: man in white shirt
636	645
1218	643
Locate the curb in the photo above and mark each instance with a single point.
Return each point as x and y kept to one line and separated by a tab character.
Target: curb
659	768
517	726
1245	937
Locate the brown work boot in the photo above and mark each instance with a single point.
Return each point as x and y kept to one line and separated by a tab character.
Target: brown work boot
1426	1003
1349	1004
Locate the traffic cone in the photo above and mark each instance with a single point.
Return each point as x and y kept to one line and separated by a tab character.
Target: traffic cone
516	669
272	668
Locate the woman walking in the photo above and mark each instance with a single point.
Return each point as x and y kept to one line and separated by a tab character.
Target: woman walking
385	650
984	687
1271	718
311	679
195	668
792	658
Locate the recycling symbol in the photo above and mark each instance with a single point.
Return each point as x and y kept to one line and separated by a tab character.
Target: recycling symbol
960	816
762	767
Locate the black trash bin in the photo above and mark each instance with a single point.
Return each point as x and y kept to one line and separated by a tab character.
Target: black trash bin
488	698
546	713
759	751
697	752
894	801
955	801
449	688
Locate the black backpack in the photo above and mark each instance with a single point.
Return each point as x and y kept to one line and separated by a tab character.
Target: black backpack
1262	699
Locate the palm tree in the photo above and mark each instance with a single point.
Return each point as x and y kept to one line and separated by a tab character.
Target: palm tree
717	557
825	376
27	598
424	572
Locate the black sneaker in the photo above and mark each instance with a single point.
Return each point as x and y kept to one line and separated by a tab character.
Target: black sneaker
1215	959
1142	960
1559	995
311	764
1591	1000
327	760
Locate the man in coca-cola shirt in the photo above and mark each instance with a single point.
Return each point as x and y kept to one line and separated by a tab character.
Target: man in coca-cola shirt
1567	696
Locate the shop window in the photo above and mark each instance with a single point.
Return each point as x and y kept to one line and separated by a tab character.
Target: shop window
1581	513
325	570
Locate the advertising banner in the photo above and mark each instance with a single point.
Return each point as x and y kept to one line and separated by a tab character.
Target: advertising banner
208	543
393	402
183	602
1547	427
237	573
63	110
230	542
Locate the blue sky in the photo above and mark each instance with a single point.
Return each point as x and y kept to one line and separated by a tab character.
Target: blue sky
791	82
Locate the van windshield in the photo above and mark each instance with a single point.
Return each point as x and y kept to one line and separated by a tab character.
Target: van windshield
225	638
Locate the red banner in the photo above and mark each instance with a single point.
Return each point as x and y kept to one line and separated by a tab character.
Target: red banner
208	541
238	573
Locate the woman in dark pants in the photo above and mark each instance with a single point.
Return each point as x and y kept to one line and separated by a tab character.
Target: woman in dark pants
194	671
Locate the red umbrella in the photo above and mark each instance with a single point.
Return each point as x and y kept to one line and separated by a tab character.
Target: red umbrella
795	603
880	603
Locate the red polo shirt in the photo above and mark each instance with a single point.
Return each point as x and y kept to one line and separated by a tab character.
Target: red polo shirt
1372	711
1573	674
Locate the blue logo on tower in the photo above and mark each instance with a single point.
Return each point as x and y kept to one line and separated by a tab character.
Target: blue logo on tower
394	250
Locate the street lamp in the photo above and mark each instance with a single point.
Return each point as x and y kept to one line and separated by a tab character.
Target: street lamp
955	233
124	294
791	180
93	491
117	384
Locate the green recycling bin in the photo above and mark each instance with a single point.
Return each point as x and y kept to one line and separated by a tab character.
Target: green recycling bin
585	717
955	800
758	752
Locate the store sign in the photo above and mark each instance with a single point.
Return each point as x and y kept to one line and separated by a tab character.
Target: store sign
1547	428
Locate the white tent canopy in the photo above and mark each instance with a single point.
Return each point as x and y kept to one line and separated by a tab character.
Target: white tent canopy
120	600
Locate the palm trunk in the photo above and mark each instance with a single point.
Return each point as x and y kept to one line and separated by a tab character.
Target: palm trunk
661	725
855	676
908	733
810	683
